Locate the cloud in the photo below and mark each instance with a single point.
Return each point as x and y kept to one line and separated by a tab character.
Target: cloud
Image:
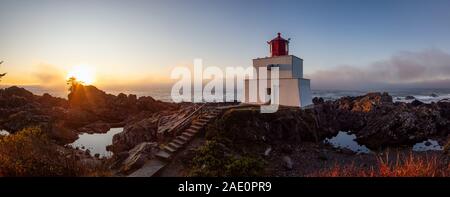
425	69
49	75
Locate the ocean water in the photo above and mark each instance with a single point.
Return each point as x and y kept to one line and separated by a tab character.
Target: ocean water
427	145
424	95
163	93
345	140
96	143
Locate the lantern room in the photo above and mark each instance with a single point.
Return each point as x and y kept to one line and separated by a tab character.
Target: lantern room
279	46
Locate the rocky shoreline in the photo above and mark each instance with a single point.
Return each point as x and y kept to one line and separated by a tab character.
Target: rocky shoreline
241	130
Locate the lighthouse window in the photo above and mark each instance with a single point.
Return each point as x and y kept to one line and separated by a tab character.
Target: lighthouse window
269	67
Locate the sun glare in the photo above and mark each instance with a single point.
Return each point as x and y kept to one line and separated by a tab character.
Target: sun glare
82	73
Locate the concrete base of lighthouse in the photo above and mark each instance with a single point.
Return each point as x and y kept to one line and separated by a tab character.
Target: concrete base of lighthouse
292	92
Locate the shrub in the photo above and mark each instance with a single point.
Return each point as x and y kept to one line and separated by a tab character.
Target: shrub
244	166
212	160
30	152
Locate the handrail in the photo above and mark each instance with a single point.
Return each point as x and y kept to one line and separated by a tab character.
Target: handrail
183	123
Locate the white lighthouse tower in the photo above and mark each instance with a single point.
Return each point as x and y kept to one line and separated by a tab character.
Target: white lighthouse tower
293	89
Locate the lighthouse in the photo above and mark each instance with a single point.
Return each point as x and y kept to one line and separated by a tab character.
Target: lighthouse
292	88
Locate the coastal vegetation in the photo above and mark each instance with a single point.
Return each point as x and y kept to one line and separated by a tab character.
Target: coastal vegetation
30	152
409	166
213	161
2	74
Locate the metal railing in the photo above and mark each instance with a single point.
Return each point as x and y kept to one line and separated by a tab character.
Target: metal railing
186	122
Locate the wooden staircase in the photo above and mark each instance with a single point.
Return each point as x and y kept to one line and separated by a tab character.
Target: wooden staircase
165	155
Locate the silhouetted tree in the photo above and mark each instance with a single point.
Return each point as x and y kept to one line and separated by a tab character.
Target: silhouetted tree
73	83
2	74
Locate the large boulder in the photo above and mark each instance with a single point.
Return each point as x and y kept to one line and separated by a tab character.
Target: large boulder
138	155
148	127
364	103
404	124
133	134
250	129
110	108
378	123
18	92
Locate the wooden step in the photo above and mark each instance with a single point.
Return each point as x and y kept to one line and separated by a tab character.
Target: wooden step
210	116
195	127
174	145
150	168
193	131
203	120
179	142
183	138
198	124
170	149
163	155
187	134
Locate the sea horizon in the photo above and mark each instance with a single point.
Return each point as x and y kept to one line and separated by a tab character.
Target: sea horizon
162	92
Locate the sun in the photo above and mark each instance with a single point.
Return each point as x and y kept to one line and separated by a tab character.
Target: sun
83	73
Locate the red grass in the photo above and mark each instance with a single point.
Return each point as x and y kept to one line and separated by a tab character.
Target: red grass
409	166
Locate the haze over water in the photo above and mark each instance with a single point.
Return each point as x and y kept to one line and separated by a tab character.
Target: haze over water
163	93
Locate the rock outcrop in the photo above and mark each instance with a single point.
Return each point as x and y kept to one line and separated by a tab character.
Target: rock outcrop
138	155
88	110
148	128
90	101
20	108
378	122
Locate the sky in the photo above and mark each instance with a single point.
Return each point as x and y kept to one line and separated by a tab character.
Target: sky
345	44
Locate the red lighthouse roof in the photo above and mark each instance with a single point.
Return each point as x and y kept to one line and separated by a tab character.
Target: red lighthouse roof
279	46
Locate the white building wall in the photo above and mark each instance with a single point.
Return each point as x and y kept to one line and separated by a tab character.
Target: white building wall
293	89
289	89
305	92
292	92
297	67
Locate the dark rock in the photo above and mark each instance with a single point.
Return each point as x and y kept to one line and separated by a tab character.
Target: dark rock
444	100
148	127
87	110
416	103
346	151
427	143
98	127
138	155
16	91
322	156
112	108
394	126
317	100
267	151
134	134
286	148
410	97
369	102
373	118
433	95
287	162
